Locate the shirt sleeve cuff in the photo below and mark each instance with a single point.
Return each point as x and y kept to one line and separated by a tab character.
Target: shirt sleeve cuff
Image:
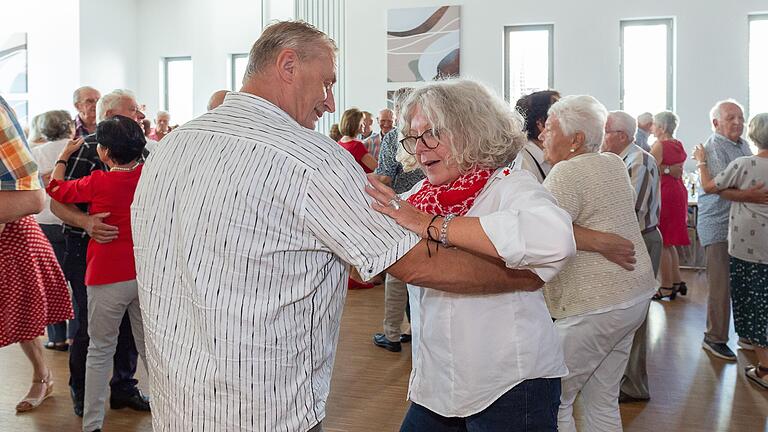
377	264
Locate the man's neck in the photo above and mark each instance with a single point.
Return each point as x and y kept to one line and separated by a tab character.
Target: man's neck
89	127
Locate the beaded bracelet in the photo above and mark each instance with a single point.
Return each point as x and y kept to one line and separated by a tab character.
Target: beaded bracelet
444	230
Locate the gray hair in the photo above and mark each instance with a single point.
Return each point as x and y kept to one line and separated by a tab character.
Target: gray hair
714	113
111	101
302	37
399	97
35	127
667	121
76	93
582	113
622	121
483	131
645	118
56	125
758	130
162	113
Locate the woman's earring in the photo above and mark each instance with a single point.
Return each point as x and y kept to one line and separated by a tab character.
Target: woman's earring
573	149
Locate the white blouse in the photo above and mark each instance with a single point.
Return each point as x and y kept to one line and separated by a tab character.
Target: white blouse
468	350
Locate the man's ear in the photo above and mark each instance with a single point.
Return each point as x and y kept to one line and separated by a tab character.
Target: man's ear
287	64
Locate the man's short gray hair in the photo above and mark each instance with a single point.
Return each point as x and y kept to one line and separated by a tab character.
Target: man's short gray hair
622	121
111	101
582	113
76	93
644	119
666	121
302	37
758	130
715	114
483	131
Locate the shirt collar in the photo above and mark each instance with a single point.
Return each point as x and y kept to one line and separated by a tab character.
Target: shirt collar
631	148
250	102
723	138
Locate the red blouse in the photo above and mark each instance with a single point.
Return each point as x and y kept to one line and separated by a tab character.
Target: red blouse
105	192
358	150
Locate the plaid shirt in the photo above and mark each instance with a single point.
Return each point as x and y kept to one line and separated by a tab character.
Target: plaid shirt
372	143
80	129
18	170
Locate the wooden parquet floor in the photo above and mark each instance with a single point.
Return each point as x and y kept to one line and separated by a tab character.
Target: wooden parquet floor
690	391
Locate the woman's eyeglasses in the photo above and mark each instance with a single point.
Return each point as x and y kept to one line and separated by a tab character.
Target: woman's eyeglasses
430	138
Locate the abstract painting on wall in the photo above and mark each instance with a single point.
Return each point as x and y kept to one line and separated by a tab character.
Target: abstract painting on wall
423	43
13	72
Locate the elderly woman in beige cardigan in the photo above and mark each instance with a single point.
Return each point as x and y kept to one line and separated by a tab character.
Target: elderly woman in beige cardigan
597	300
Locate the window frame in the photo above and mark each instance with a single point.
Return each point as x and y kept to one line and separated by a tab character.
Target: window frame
669	22
758	16
233	70
550	28
166	61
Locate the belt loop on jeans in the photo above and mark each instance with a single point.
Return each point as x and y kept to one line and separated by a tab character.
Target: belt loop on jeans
67	230
648	230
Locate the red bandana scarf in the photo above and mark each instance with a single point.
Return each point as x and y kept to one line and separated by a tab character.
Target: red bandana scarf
456	197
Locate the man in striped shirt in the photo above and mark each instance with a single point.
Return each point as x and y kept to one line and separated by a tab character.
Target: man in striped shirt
644	174
244	223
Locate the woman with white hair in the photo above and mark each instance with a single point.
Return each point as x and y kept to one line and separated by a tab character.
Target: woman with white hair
597	304
747	243
480	362
673	219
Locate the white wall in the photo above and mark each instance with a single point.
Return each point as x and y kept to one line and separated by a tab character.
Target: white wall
711	47
53	49
109	39
207	31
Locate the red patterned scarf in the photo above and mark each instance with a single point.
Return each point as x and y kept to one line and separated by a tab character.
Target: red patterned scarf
456	197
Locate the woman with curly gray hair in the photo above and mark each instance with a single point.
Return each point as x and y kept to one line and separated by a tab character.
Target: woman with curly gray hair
479	361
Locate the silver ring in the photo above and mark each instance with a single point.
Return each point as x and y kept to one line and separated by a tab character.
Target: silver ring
395	203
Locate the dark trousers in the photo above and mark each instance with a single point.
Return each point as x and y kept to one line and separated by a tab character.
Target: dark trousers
531	405
58	332
122	382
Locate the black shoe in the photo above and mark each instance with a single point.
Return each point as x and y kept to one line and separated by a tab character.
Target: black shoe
405	338
625	398
719	350
380	340
77	403
135	401
682	288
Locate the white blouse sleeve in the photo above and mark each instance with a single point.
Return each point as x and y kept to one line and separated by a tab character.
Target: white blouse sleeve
530	231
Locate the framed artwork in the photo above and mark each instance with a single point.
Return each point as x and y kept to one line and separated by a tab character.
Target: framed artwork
423	44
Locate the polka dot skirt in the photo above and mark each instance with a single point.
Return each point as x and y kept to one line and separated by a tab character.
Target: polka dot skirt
33	291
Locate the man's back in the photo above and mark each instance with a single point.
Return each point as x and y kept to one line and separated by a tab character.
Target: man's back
241	267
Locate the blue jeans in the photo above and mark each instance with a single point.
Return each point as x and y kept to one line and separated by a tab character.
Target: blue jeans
531	405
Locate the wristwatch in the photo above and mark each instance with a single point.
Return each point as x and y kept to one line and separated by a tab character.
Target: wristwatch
666	170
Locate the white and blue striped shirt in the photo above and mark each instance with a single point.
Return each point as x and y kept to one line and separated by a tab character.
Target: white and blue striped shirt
244	224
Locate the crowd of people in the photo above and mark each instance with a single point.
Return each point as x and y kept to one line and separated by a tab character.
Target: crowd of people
544	227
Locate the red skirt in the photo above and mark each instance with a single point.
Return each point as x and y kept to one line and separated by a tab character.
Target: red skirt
33	291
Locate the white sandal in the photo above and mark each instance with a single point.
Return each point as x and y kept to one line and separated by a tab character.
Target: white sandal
751	373
29	404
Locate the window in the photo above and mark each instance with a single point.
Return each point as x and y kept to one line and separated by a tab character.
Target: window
13	73
647	66
177	88
528	60
758	65
238	65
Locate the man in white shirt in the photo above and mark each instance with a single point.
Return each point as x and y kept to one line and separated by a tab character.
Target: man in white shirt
242	255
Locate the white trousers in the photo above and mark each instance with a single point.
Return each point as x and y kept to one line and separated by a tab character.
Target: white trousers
596	351
106	306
